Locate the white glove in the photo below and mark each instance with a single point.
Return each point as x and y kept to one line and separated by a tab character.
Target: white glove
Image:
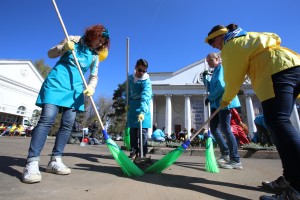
69	46
89	91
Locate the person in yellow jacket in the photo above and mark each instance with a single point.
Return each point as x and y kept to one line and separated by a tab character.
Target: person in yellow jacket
275	77
19	130
12	130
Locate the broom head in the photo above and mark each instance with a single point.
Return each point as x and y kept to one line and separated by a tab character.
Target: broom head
211	164
127	166
168	159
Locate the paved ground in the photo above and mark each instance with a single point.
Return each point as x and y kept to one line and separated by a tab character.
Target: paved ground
95	175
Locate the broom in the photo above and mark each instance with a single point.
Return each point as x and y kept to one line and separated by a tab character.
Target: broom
128	167
211	164
172	156
127	129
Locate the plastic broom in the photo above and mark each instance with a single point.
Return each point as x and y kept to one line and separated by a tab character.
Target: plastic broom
127	129
172	156
128	167
211	164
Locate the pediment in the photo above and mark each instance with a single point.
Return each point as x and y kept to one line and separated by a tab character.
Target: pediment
21	73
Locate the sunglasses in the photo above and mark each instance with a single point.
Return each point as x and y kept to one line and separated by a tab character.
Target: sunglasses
140	70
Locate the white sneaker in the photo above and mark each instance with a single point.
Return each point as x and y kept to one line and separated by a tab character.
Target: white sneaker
232	165
223	159
56	166
31	173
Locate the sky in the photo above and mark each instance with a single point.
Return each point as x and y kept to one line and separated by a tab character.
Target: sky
169	34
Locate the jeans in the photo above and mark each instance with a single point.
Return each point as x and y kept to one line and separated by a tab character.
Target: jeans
230	147
40	132
277	112
134	140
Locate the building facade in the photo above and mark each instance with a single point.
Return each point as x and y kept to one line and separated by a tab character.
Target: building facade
20	83
178	100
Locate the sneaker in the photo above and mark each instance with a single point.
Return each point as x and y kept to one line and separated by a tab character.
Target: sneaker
133	154
223	159
279	185
232	165
289	194
31	173
56	166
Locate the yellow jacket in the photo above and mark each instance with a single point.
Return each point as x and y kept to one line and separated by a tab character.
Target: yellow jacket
20	129
257	55
13	128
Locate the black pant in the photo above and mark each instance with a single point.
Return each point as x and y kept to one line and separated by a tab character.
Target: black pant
134	140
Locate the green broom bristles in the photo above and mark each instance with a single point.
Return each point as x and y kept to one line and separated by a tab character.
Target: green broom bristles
168	159
127	166
127	138
211	164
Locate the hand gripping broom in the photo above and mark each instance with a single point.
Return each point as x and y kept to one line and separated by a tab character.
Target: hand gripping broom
172	156
127	129
128	167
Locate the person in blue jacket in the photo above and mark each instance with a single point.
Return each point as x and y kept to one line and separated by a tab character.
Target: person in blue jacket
262	135
158	136
139	97
62	91
215	84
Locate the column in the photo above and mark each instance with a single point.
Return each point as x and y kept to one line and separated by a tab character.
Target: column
250	115
168	115
150	130
187	114
206	111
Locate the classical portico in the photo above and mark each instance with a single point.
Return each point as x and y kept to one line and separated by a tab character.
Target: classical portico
178	100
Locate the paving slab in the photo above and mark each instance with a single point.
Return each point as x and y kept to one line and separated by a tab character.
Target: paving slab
96	175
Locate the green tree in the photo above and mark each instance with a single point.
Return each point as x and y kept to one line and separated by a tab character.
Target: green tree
119	115
42	67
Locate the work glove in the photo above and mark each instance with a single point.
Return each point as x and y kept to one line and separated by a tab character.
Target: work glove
206	101
69	46
126	108
103	54
224	104
141	117
89	91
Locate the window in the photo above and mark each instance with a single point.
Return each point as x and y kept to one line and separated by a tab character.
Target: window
21	110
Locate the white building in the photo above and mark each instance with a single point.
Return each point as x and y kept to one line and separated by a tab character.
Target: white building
20	83
178	100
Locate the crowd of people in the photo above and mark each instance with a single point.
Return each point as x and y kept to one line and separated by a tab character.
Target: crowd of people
15	130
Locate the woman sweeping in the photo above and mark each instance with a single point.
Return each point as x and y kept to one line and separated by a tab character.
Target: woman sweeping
274	72
62	91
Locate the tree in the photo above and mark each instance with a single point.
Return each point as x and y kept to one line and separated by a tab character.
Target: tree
104	109
42	67
119	114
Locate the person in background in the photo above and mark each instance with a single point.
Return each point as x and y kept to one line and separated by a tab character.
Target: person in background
18	131
6	130
238	128
154	127
94	129
262	135
63	91
230	158
139	95
12	130
274	72
158	136
2	128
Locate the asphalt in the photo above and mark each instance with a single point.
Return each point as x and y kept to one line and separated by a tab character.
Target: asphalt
96	175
